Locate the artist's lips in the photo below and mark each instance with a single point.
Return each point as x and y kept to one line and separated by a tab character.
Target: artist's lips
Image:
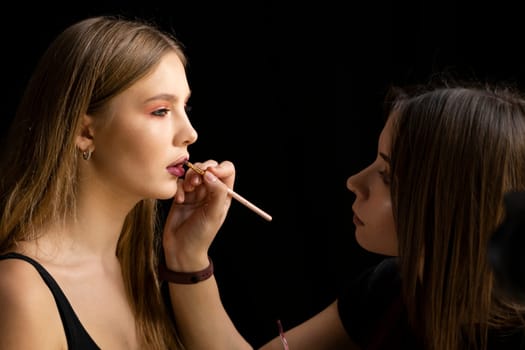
357	221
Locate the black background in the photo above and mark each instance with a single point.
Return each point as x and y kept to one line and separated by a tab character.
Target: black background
291	93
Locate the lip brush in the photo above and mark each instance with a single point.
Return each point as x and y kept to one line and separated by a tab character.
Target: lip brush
237	196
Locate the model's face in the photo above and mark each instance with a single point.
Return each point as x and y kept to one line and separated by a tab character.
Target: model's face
373	217
141	145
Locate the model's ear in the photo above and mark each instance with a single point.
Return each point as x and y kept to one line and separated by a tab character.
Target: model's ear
86	134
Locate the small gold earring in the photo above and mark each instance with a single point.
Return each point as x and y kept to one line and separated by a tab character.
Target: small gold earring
86	154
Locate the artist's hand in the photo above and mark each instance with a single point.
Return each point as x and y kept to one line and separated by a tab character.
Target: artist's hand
198	210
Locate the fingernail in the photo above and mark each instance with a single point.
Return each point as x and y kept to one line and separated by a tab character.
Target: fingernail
196	180
210	177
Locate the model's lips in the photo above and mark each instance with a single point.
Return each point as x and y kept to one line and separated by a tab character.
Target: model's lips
177	168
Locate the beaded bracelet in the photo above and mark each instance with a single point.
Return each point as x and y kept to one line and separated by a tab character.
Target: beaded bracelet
282	336
168	275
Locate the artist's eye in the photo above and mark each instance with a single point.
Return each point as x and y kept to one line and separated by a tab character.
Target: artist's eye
161	112
385	175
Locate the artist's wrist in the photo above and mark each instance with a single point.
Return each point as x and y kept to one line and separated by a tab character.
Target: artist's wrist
185	277
185	260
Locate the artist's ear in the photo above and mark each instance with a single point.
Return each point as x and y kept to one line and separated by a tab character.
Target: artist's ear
86	134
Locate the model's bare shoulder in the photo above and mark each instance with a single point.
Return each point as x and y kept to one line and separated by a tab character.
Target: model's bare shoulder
29	317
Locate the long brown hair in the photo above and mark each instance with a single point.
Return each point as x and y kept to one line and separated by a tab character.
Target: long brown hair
86	66
455	152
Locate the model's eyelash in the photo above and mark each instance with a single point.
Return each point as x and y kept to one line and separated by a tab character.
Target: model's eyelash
161	112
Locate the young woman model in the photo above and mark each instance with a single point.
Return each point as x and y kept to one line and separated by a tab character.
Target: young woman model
431	200
100	134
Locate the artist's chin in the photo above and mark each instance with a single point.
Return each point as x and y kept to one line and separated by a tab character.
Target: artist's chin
371	245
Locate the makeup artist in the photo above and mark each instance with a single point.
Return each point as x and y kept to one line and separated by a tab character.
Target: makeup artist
102	133
429	202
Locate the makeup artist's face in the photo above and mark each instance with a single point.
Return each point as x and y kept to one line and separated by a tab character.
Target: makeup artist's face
142	145
373	217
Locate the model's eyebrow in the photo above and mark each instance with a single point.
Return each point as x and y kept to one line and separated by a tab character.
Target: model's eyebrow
385	157
165	97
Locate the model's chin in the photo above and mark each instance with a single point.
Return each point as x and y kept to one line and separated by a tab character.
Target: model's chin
165	197
167	192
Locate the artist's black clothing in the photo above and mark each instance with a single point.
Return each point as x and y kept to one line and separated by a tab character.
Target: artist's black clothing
76	334
375	317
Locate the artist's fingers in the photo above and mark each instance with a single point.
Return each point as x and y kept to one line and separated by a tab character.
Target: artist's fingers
193	179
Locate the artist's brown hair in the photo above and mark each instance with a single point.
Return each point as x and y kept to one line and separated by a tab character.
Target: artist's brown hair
456	151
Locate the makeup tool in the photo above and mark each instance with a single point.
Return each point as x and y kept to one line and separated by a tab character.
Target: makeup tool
236	196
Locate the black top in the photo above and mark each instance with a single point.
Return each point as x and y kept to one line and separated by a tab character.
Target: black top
374	316
77	336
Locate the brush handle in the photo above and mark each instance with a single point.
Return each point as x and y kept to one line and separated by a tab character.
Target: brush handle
236	196
249	205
